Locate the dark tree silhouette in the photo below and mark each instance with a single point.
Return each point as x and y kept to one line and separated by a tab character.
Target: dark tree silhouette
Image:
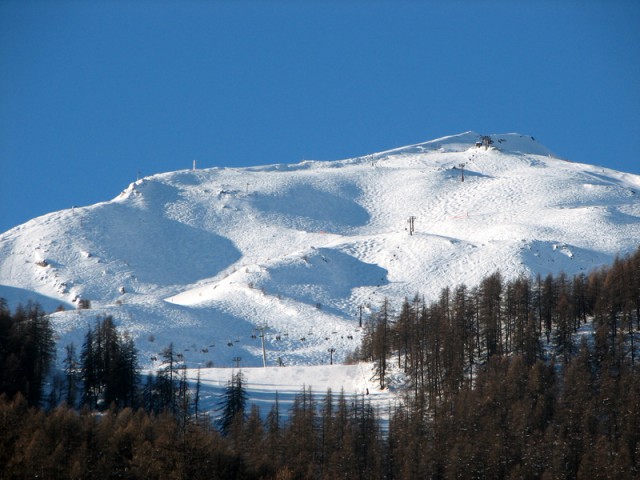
109	367
233	402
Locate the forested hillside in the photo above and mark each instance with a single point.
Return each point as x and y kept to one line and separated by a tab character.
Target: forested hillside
527	378
516	379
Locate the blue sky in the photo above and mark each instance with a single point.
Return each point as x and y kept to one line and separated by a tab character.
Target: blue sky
94	93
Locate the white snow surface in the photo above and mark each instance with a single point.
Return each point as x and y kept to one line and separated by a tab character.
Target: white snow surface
264	384
206	258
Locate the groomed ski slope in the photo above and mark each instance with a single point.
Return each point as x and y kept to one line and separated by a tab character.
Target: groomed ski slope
207	258
265	385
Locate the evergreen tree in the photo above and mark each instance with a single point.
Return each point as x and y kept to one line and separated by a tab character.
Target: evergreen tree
109	367
301	455
88	368
167	380
233	402
490	313
71	374
381	342
274	434
196	397
27	351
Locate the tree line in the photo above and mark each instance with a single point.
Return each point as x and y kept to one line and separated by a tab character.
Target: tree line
524	378
100	418
27	350
441	346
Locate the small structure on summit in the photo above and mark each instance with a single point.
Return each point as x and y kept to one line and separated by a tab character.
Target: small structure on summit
485	141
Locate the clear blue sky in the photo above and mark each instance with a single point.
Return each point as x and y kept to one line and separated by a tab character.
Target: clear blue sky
93	92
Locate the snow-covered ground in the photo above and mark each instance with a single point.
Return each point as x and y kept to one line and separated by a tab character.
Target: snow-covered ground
209	259
265	384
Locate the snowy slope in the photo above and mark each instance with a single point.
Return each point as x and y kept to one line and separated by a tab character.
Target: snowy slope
206	258
265	383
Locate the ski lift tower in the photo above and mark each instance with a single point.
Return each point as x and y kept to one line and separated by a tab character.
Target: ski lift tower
264	353
412	224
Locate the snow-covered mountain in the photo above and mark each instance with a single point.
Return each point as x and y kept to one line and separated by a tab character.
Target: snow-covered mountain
207	258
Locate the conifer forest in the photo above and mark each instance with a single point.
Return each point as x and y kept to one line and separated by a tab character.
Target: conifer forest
525	378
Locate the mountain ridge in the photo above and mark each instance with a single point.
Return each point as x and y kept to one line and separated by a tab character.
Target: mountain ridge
208	257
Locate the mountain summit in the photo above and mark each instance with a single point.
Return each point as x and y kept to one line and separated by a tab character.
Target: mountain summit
213	259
